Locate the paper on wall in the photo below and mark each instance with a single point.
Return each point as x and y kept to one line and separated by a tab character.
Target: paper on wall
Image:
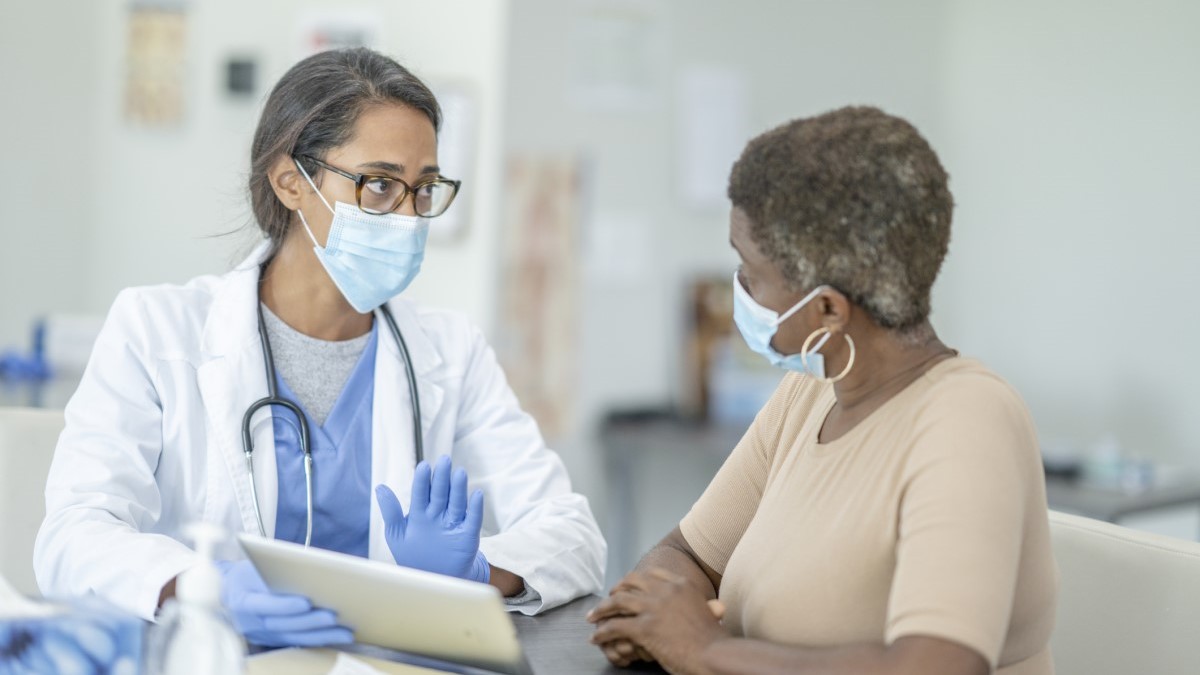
456	157
713	131
618	54
321	29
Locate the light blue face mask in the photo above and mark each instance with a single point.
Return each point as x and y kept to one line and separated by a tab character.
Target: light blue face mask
370	258
759	324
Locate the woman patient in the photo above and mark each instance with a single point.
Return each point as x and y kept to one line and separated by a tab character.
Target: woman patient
886	511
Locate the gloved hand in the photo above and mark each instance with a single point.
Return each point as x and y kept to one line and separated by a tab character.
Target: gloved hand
275	619
441	531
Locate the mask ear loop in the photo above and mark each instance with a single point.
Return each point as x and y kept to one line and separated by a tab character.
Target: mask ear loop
320	196
825	334
799	305
307	230
796	308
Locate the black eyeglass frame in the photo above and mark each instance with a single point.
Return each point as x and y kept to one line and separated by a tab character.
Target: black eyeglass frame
361	179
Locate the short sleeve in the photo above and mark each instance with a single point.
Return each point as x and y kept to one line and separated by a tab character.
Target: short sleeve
961	520
716	522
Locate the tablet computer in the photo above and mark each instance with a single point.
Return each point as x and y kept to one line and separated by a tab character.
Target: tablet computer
396	607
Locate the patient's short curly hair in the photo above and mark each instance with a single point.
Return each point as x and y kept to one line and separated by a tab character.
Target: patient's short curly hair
854	198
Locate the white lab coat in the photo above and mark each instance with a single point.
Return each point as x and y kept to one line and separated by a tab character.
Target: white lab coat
153	442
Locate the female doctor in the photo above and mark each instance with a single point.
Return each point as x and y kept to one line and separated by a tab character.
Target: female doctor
368	398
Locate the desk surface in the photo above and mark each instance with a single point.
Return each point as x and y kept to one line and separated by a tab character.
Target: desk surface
1111	504
557	642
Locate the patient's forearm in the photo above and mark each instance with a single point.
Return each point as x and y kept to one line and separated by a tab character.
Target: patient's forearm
675	555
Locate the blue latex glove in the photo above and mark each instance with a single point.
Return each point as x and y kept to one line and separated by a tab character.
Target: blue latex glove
63	645
441	531
275	619
42	648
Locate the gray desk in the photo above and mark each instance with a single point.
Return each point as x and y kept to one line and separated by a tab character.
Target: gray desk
655	471
1111	504
556	643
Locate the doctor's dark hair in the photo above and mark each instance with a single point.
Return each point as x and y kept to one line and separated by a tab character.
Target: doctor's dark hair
313	108
856	199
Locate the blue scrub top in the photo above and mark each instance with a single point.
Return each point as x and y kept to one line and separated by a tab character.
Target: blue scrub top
341	465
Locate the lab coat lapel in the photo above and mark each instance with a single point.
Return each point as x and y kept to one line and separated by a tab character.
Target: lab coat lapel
230	380
393	456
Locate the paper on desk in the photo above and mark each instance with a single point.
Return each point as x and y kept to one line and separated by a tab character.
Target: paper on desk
348	665
13	605
297	661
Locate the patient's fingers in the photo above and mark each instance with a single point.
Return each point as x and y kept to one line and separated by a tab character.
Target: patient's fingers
717	608
617	605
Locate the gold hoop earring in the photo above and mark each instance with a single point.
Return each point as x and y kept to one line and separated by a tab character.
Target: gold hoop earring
804	352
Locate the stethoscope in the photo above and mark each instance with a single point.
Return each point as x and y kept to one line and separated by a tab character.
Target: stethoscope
273	398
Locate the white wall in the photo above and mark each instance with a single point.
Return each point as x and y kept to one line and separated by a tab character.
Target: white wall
1072	138
146	205
1069	130
48	163
798	58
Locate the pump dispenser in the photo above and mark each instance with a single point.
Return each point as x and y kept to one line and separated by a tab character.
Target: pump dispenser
194	634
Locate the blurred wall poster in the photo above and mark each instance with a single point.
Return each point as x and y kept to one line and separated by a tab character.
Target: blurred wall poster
154	64
539	287
319	30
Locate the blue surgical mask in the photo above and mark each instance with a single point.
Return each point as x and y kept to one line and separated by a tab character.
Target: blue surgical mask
371	258
759	324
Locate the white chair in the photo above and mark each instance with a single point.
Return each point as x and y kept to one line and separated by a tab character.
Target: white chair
1129	601
27	440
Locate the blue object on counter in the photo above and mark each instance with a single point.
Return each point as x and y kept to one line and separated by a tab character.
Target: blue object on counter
16	367
19	368
88	637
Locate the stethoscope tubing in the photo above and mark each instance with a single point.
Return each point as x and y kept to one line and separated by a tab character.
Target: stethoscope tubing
273	398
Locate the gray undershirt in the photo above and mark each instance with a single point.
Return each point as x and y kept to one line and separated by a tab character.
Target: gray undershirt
315	370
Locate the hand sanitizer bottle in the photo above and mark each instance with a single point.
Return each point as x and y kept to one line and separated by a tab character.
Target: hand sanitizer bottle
194	634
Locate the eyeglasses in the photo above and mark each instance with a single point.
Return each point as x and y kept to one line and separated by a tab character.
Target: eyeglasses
377	195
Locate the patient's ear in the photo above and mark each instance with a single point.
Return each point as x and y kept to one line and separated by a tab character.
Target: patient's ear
833	308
